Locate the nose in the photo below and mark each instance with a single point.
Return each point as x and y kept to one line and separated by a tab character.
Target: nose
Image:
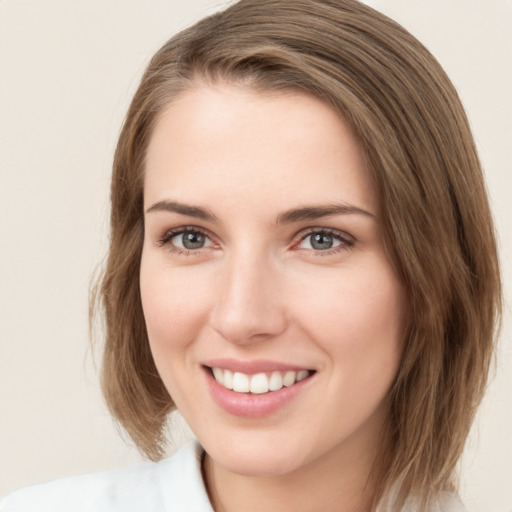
249	305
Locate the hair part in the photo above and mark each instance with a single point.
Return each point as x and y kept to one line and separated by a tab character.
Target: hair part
435	218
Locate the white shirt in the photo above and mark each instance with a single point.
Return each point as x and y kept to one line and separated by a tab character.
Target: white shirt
174	484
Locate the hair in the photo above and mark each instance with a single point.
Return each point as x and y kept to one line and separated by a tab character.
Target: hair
435	218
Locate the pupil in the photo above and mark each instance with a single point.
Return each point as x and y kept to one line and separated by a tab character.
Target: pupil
321	242
193	240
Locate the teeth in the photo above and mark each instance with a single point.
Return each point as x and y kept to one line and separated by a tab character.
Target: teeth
218	373
275	382
228	379
258	383
240	382
302	375
289	378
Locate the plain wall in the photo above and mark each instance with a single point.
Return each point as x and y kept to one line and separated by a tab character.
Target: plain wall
67	73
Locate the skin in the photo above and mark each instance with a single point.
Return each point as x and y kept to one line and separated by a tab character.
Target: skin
259	289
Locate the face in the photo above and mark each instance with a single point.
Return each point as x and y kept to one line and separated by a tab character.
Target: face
273	314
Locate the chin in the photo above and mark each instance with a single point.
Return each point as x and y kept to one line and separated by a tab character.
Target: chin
256	457
258	464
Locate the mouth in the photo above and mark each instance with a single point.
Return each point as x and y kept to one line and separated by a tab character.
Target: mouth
258	383
257	388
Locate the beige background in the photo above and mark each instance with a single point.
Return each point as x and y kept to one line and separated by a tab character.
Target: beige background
67	71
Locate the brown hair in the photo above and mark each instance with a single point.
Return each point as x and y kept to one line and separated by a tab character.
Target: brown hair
435	217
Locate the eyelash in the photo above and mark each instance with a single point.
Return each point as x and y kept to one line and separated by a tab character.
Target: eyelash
165	240
346	241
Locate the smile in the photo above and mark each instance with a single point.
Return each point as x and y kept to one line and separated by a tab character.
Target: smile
258	383
256	388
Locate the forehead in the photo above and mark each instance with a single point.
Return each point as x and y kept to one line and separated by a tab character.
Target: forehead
229	141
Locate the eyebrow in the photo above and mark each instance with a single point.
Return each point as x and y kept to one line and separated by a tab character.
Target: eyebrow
183	209
317	212
289	217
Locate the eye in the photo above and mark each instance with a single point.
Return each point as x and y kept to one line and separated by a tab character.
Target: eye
324	240
190	240
184	240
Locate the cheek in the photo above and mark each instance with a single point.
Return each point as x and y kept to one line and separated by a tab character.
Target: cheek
175	307
357	318
175	304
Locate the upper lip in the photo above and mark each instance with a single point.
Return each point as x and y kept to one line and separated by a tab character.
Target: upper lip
252	366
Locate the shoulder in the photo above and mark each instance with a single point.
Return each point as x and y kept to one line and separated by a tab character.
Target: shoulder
173	484
447	501
450	502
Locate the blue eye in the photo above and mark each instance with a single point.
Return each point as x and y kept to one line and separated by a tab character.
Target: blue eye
324	240
186	239
189	240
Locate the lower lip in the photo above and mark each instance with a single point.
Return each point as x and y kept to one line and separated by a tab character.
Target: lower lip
252	405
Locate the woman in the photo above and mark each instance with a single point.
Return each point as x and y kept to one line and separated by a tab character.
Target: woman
302	260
